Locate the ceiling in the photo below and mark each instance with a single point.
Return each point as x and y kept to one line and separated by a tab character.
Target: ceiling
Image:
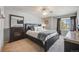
56	10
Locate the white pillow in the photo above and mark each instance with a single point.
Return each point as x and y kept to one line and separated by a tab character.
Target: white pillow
39	28
36	28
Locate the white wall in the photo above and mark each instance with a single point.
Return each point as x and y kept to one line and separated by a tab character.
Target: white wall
1	28
28	17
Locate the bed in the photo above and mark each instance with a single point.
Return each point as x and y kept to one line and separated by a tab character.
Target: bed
41	36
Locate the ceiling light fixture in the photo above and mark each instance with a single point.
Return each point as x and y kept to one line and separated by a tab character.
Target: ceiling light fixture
46	11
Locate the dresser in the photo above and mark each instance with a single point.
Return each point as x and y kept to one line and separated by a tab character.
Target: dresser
71	42
16	33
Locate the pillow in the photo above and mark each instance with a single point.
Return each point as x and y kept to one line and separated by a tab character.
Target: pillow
39	28
36	28
30	27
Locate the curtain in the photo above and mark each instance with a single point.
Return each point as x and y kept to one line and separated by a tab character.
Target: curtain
58	25
73	23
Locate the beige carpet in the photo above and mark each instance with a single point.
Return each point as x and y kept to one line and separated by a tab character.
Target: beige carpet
24	45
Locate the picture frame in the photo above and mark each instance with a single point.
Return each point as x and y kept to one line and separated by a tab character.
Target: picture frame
16	20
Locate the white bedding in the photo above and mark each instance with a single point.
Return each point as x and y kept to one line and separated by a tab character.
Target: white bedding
32	33
35	34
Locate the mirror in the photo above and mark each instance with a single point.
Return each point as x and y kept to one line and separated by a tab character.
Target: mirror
16	21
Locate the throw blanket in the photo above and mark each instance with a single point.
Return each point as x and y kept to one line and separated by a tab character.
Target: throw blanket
42	35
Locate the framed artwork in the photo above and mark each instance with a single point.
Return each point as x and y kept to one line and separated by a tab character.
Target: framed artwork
16	20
